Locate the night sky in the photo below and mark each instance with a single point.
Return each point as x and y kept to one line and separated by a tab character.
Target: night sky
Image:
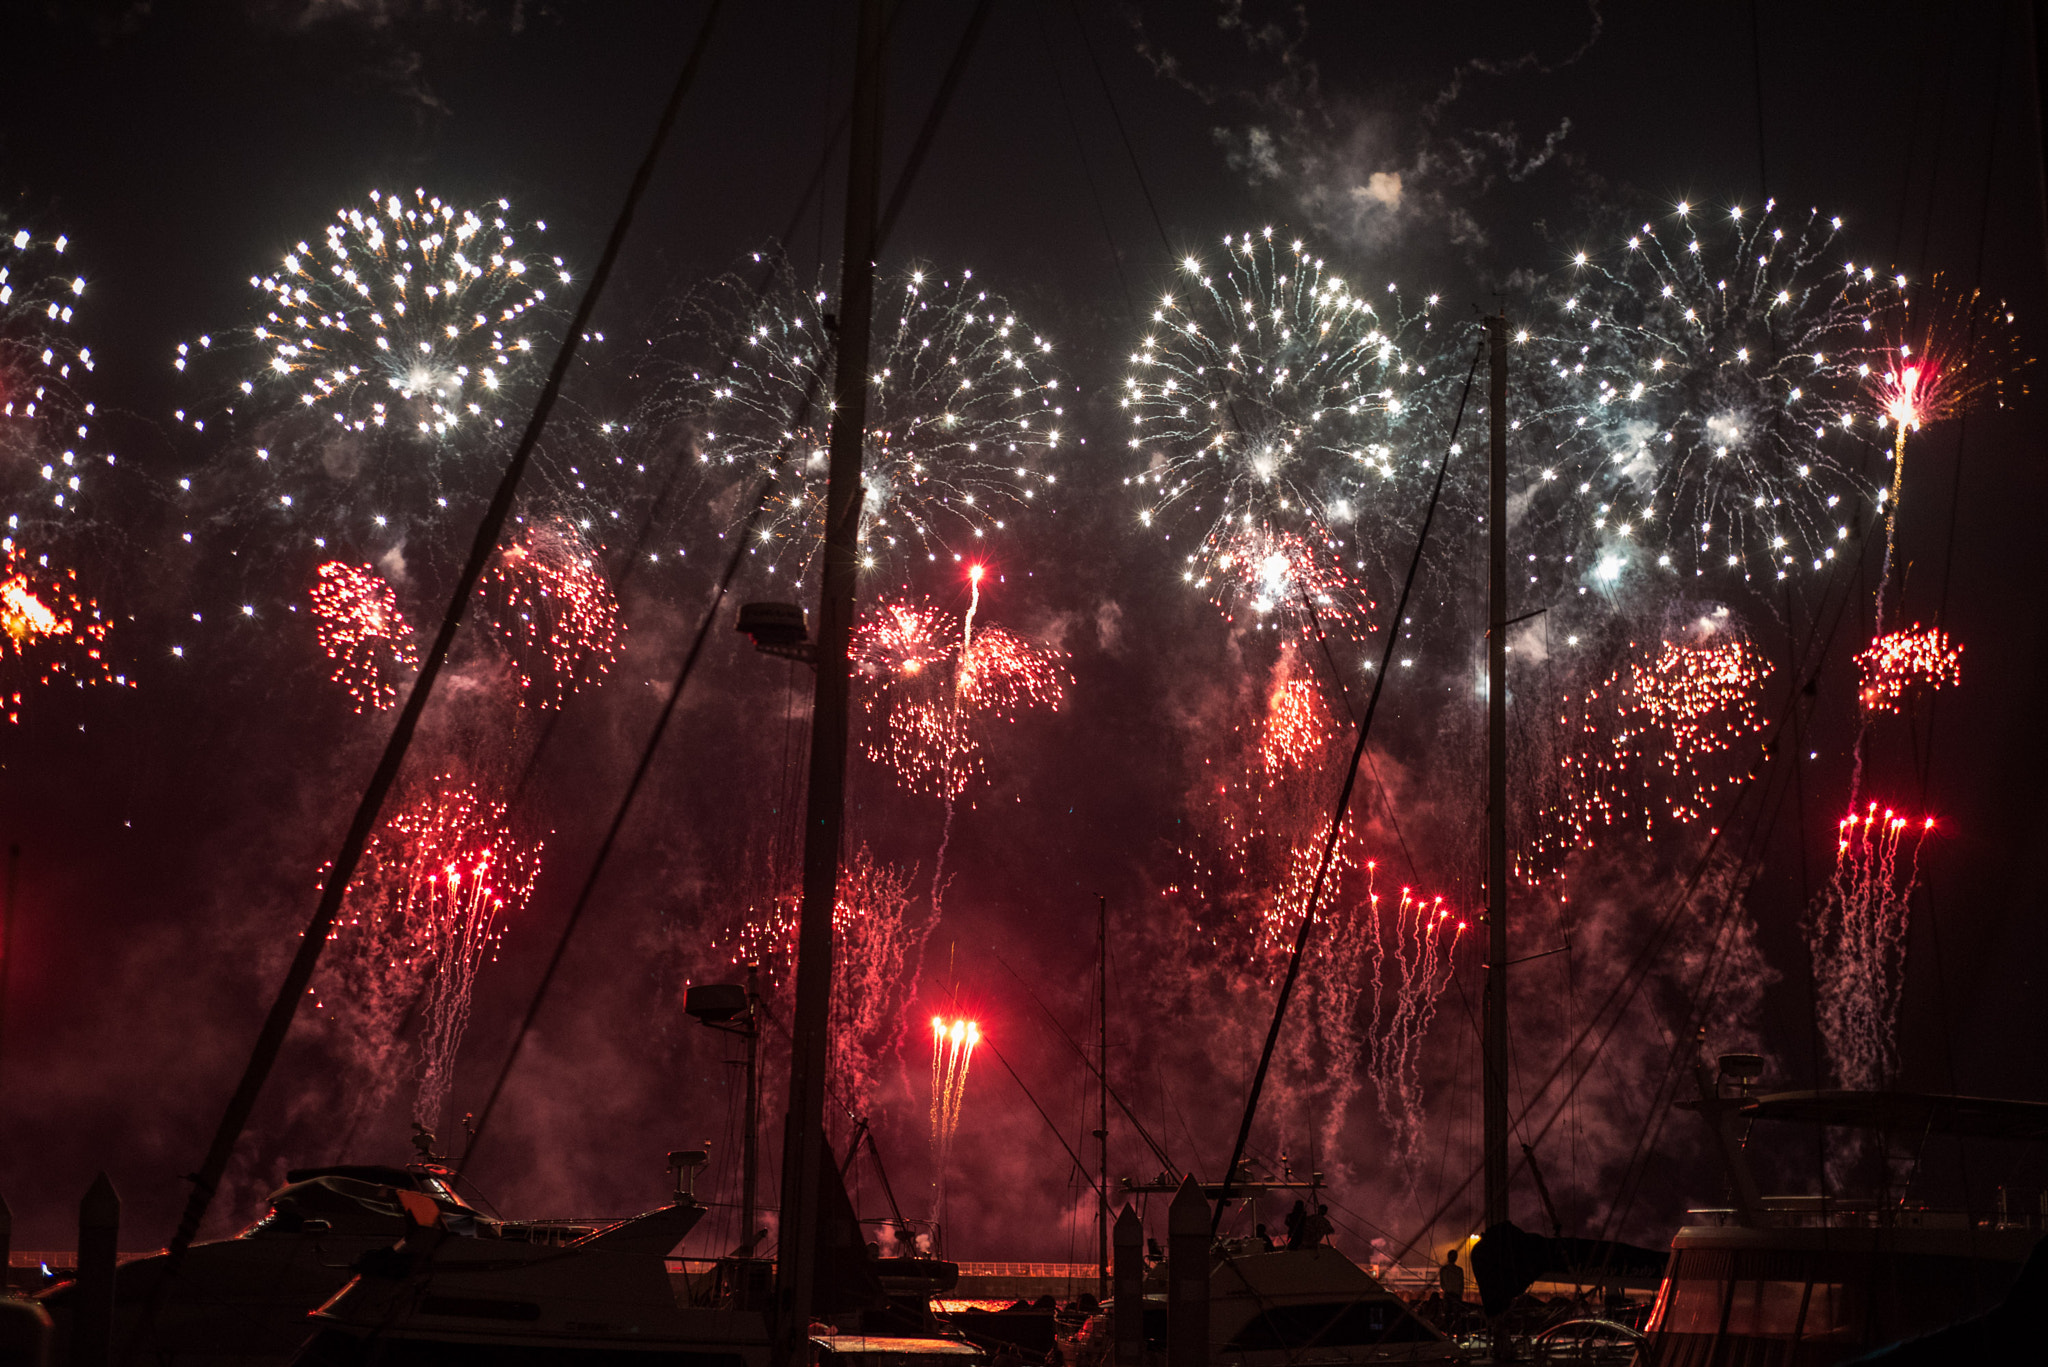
172	835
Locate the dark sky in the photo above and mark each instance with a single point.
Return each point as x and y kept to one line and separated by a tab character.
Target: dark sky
172	835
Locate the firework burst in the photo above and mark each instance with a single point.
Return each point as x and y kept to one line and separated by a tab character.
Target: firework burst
423	915
357	412
932	693
1697	396
1653	745
963	409
1273	409
1902	662
44	423
1857	934
50	633
360	628
548	603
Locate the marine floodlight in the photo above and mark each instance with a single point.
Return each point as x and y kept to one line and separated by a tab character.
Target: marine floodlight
715	1003
777	629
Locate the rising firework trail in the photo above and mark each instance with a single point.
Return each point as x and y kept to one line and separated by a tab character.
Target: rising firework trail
362	632
963	410
1857	935
1273	407
932	698
953	1045
550	607
1946	353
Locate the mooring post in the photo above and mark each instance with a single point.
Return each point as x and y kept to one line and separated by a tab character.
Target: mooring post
1129	1282
1187	1277
99	1235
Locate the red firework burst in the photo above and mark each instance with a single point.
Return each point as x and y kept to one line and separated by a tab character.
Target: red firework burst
50	633
550	606
1900	661
359	625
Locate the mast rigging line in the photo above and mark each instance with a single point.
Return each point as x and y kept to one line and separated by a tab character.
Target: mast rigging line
1633	978
1308	912
1079	1166
277	1024
1130	1115
643	766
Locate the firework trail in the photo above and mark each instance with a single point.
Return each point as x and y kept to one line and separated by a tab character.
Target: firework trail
1656	741
439	879
50	633
360	628
1900	662
1412	948
548	604
1699	387
962	412
1273	409
953	1045
45	425
1857	935
931	698
877	948
1946	352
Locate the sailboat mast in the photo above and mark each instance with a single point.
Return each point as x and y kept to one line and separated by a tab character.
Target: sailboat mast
1102	1099
1495	1039
803	1148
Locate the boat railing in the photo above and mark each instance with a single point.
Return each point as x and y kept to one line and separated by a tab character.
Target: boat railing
1814	1212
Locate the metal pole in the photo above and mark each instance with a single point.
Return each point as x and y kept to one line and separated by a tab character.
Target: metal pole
750	1179
7	941
1496	1024
1102	1102
803	1145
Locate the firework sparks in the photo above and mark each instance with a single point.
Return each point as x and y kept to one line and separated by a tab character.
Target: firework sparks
50	633
359	626
953	1044
413	316
1900	662
1412	947
931	694
1273	405
1659	739
962	411
1700	382
438	881
1948	352
548	603
44	423
1857	935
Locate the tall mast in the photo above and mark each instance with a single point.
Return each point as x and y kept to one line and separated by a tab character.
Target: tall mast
1495	1040
803	1148
1102	1099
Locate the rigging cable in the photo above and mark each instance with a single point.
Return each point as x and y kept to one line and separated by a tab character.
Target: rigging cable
689	663
293	990
1308	912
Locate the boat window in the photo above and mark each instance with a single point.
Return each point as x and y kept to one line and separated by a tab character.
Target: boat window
1695	1307
1834	1312
1765	1309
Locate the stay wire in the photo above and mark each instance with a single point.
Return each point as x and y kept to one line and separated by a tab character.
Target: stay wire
1122	133
1116	259
1337	818
293	990
689	664
1622	995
